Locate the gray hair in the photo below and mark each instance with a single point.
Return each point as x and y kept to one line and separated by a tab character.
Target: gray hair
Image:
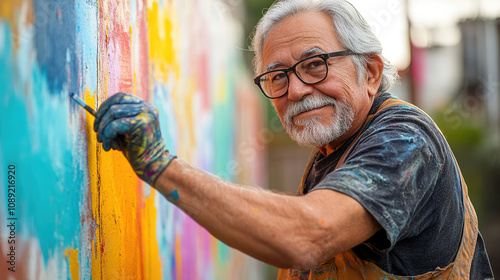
353	32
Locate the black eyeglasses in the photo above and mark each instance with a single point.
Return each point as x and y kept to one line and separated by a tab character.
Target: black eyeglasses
312	70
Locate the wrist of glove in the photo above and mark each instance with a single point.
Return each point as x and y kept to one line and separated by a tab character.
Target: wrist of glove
129	124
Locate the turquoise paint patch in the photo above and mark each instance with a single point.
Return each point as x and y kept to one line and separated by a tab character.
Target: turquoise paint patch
168	123
38	137
224	123
224	253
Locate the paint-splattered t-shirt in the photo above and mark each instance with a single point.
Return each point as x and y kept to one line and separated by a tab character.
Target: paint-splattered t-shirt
402	171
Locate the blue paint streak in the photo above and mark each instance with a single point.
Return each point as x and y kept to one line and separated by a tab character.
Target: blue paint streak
55	37
35	135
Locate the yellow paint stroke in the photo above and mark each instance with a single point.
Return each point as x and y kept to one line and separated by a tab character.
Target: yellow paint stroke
116	248
221	92
161	42
166	39
93	155
152	263
125	244
118	218
134	78
72	255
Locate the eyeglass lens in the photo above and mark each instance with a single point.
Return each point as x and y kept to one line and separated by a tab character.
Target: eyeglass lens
309	71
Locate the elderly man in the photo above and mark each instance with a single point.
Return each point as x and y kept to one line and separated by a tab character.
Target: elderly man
382	194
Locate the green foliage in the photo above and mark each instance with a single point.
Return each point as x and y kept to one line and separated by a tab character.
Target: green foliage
254	9
478	156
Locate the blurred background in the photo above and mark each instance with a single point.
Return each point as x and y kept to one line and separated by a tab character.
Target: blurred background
448	56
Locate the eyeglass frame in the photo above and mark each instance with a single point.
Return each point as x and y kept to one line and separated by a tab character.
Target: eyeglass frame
323	56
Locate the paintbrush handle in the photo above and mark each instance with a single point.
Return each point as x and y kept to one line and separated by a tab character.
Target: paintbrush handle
83	104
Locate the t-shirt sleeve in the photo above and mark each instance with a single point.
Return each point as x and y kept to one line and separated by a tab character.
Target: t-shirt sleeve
392	171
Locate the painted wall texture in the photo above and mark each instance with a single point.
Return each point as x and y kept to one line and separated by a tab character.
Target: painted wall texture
69	210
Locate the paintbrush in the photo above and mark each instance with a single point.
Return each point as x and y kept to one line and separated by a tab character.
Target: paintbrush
82	103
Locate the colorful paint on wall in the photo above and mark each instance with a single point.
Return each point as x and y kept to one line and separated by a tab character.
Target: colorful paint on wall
80	212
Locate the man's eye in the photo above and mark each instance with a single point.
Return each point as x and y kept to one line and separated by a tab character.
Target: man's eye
314	64
278	77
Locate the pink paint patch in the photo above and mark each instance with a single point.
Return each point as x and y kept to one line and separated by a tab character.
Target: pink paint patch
207	261
190	248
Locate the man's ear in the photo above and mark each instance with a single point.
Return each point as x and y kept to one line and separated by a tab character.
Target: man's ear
374	69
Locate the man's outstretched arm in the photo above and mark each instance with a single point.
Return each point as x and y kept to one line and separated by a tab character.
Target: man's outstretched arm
282	230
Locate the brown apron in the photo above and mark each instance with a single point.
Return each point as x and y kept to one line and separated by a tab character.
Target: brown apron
348	266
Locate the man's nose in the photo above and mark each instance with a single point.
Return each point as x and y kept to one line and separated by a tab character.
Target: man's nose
297	89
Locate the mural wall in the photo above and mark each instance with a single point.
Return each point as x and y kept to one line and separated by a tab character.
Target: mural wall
70	210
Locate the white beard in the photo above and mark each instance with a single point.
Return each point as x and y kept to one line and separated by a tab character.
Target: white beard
314	133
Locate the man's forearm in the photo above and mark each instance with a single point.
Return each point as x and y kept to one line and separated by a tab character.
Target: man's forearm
258	222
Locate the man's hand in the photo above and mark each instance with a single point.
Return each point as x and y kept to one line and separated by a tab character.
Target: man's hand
129	124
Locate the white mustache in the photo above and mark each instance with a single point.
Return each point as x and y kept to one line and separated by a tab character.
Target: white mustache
308	104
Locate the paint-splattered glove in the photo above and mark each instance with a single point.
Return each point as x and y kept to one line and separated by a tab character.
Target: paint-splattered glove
129	124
